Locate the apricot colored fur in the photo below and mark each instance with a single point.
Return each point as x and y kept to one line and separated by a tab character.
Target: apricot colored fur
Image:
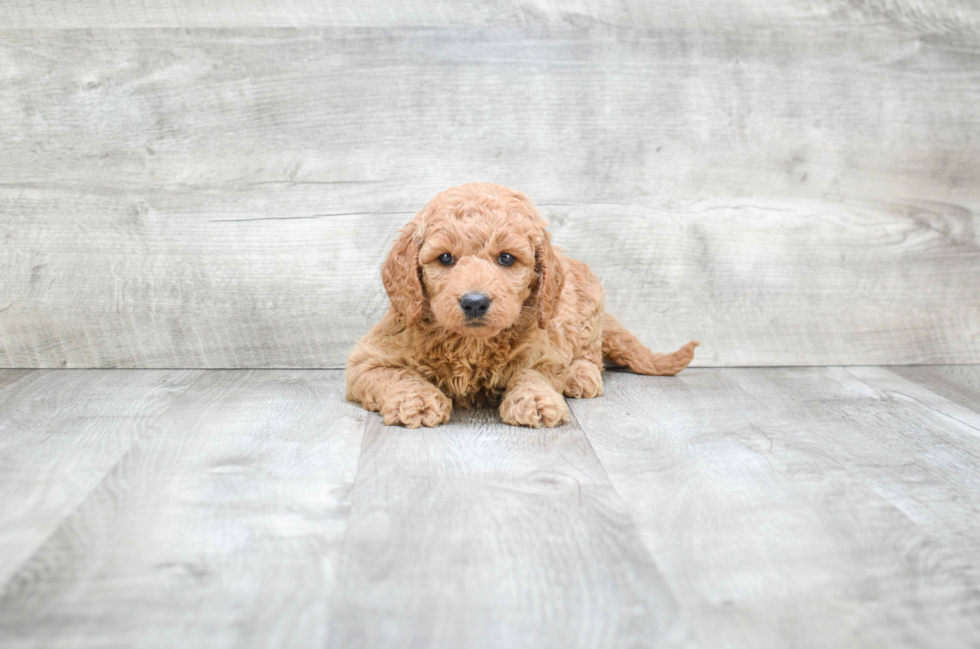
544	335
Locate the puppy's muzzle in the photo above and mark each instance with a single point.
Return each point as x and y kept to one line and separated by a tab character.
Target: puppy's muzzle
474	305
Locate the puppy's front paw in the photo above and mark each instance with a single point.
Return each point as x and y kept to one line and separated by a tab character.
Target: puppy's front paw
417	407
584	380
534	406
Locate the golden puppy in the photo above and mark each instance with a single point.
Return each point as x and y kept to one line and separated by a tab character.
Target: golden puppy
485	312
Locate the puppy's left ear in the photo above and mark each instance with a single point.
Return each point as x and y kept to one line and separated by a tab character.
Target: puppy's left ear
402	274
551	278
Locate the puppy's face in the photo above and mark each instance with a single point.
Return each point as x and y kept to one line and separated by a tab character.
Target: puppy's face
477	272
474	258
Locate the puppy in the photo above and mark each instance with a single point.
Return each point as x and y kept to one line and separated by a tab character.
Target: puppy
484	312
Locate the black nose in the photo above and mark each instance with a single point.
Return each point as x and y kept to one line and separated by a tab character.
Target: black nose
474	305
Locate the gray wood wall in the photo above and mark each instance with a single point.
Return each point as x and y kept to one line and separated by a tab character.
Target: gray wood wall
214	184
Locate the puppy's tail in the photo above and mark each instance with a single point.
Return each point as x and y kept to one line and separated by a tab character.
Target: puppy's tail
623	348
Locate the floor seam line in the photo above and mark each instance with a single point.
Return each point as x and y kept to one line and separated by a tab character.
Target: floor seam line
40	546
944	415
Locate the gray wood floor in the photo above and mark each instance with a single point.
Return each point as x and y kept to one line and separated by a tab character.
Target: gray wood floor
805	507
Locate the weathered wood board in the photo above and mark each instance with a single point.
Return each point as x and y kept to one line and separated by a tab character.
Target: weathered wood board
214	282
9	377
219	527
805	507
60	434
801	193
480	534
958	383
941	16
756	508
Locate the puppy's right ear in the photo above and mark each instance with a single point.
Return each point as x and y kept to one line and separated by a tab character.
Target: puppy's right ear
551	279
402	274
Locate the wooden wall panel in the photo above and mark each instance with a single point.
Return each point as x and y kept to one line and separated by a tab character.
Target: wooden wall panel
798	194
939	16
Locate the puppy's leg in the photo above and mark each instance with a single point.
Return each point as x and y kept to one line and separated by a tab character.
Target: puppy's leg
402	396
584	380
531	400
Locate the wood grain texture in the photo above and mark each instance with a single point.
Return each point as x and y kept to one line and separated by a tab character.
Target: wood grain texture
60	434
892	382
571	115
217	528
9	377
479	534
803	507
958	383
223	198
942	16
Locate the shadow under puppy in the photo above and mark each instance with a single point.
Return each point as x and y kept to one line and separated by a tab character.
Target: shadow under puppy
485	312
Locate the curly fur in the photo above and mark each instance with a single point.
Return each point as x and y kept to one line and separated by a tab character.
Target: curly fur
544	335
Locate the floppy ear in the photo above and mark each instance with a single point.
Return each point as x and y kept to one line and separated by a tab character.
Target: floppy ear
550	280
402	274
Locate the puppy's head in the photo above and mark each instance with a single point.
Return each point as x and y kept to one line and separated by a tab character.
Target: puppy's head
475	258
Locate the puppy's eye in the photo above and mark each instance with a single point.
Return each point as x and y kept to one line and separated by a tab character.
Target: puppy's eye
446	259
506	259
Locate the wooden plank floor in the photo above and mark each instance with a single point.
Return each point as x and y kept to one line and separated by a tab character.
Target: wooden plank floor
805	507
